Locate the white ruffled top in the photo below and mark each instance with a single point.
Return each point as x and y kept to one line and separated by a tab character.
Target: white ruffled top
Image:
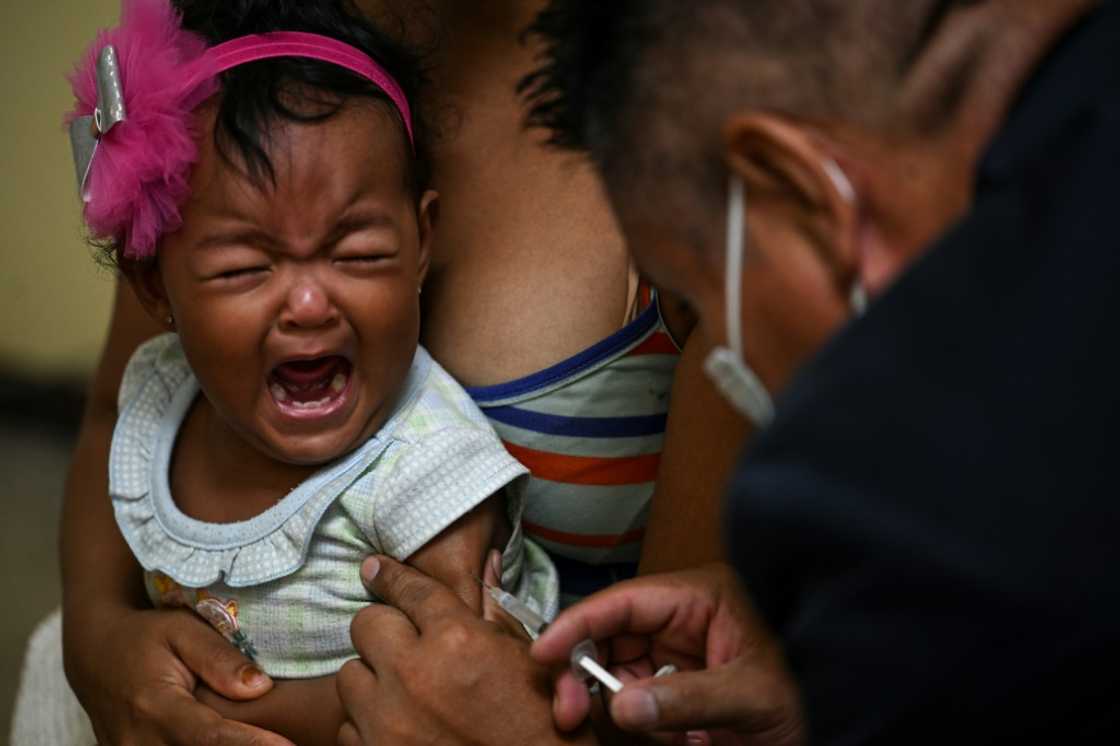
285	583
156	395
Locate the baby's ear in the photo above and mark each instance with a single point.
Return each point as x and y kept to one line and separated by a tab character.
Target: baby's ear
147	284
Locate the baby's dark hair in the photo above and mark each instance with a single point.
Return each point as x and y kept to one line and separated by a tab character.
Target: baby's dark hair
256	95
298	89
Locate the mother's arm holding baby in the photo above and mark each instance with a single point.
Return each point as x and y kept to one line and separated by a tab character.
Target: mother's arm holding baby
135	669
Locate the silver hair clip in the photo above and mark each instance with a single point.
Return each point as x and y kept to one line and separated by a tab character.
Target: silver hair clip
87	131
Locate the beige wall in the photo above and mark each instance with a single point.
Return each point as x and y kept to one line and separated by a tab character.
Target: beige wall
54	301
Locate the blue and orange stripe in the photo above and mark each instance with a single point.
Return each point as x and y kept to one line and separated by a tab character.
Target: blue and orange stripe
578	427
593	541
587	470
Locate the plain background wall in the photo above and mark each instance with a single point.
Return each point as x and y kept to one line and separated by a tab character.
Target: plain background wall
54	300
54	303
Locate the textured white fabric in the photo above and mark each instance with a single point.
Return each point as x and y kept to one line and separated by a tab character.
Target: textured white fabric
286	583
156	394
47	713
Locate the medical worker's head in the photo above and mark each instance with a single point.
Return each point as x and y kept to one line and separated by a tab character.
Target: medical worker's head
853	126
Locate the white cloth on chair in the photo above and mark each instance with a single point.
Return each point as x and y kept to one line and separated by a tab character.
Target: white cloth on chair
47	713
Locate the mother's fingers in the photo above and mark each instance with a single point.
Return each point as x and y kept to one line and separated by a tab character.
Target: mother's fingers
220	665
188	723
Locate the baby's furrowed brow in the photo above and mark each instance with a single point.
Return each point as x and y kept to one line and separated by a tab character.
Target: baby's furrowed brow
357	222
362	218
226	239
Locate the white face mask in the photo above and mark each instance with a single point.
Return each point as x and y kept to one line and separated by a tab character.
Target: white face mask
726	366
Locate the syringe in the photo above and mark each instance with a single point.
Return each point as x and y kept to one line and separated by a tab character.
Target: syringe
584	658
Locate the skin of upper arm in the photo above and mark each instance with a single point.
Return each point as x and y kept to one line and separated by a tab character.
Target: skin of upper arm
703	439
456	556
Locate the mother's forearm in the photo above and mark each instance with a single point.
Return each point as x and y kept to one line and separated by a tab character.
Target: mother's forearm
703	439
96	562
98	569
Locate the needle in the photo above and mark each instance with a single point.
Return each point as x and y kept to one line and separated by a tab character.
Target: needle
583	658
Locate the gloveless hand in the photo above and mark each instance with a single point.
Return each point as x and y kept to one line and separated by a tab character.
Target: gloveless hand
732	679
433	671
136	675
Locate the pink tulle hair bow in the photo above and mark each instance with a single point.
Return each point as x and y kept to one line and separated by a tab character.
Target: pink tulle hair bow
136	87
138	179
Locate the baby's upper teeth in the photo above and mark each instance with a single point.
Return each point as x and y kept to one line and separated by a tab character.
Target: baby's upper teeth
338	383
279	393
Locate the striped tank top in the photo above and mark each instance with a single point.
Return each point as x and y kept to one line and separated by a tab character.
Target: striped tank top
590	431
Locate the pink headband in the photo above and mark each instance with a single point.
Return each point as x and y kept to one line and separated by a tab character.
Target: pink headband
136	87
313	46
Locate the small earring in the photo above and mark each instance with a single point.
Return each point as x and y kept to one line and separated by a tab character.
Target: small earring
170	321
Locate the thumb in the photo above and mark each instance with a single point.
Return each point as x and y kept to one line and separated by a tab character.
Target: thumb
491	609
218	663
422	599
492	576
695	700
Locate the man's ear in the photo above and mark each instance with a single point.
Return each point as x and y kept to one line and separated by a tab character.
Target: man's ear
786	166
426	219
147	284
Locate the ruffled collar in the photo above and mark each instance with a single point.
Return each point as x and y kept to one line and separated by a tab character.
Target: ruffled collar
195	553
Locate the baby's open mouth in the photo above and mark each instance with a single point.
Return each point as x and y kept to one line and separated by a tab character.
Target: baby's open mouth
310	386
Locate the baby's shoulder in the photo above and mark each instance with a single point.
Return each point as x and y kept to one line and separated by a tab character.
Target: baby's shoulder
437	435
159	359
440	458
437	406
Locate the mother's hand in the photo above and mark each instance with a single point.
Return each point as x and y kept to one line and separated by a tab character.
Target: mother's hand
432	671
135	673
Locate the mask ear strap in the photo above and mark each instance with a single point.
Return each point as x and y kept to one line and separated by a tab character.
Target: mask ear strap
736	238
726	366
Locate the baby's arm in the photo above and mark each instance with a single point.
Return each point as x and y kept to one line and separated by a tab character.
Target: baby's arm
308	711
456	557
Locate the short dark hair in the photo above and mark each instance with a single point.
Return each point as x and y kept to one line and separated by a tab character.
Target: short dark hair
615	78
303	90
